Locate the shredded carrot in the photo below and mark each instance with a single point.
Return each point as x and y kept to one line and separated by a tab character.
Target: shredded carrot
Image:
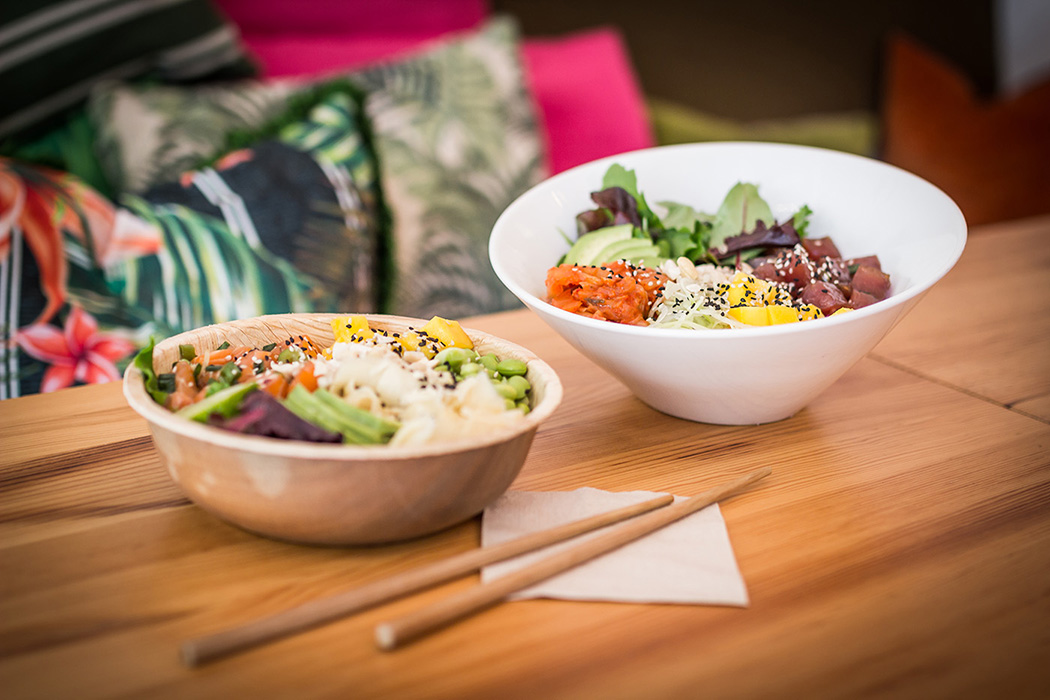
221	357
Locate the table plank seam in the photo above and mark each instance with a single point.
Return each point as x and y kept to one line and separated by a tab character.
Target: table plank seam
42	468
882	359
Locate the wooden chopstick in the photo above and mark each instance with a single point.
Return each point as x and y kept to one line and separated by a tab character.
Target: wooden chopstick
392	634
203	649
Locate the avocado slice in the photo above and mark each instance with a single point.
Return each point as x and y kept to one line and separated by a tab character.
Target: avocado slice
586	246
626	250
648	261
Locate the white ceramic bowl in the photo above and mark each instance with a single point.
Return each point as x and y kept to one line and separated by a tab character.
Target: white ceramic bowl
753	375
336	494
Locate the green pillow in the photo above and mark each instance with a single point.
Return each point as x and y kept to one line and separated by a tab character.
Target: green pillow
851	132
290	224
150	134
455	138
457	141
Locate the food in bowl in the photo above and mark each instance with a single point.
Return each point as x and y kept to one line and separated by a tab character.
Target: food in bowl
337	493
763	373
369	387
736	268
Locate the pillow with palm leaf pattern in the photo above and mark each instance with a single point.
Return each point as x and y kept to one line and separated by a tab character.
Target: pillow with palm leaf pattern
289	224
457	141
149	134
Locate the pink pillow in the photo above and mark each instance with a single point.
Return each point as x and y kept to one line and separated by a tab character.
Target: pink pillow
350	18
588	96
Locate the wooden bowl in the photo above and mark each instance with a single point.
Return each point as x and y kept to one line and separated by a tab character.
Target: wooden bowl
336	494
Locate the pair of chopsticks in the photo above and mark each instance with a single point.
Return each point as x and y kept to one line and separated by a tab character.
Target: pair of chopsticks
643	518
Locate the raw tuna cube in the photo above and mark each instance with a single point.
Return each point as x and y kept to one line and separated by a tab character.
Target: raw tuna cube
826	297
869	260
859	299
820	248
872	281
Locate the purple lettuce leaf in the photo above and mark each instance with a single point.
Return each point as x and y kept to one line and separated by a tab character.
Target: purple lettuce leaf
262	414
779	235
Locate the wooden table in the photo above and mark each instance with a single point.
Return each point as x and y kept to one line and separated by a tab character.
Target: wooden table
900	549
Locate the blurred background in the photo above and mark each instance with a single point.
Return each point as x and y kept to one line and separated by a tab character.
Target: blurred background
164	165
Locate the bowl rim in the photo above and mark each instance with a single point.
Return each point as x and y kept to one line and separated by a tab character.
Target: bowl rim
542	306
141	402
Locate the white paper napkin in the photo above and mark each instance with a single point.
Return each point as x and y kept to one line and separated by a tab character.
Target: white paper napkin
688	561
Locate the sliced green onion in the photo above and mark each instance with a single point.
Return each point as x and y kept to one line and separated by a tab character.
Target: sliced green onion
229	373
166	382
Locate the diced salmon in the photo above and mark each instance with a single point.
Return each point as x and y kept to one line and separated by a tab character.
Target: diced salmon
616	292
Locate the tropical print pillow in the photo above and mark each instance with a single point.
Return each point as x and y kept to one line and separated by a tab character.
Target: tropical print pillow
288	225
457	140
148	134
60	324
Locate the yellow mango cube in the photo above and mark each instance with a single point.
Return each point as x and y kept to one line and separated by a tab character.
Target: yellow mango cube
781	314
808	312
344	328
841	311
746	289
410	340
449	333
776	295
751	315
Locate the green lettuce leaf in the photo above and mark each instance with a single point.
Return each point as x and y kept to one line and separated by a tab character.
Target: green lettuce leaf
619	176
144	363
740	209
683	216
800	220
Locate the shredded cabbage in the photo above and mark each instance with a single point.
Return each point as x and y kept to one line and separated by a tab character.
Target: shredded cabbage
695	297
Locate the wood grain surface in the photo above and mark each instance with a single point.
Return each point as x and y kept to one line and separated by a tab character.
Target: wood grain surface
985	328
901	547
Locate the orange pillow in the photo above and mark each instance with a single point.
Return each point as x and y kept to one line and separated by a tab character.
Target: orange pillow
991	156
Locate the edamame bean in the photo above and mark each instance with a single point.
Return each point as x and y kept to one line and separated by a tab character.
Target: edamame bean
511	367
455	357
521	384
490	361
506	391
469	369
